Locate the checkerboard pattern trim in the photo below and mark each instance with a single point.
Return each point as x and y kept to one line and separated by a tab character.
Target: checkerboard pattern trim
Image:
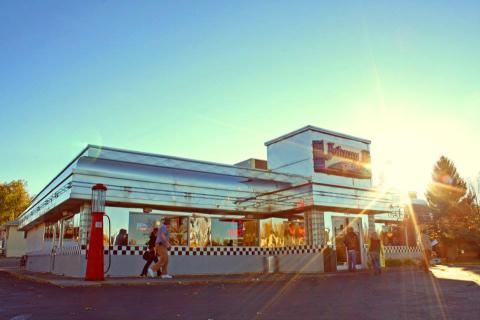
401	249
211	251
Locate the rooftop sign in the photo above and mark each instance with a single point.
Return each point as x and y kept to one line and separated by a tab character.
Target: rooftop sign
335	159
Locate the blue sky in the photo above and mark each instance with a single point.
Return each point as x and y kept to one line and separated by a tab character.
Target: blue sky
214	80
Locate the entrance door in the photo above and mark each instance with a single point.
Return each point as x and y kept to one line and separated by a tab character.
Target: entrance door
340	225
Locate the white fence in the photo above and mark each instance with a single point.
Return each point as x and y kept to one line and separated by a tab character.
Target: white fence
402	252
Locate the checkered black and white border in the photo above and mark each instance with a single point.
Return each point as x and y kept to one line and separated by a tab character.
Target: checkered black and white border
211	251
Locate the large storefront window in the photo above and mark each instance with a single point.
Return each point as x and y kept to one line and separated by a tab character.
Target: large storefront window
226	232
140	225
278	232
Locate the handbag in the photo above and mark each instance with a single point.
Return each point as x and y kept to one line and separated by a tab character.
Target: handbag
148	255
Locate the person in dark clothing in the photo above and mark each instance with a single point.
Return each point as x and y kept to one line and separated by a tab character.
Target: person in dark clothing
152	257
122	238
352	245
374	252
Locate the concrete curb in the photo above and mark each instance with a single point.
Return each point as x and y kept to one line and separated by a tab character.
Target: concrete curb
21	276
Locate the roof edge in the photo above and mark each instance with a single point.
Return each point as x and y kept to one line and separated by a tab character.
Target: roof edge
39	194
196	161
316	129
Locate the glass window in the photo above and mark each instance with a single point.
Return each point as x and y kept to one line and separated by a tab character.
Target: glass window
71	229
51	229
294	233
200	231
119	218
178	231
224	232
234	232
140	226
250	233
279	232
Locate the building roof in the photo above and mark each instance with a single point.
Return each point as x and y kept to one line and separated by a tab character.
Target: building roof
316	129
11	223
138	171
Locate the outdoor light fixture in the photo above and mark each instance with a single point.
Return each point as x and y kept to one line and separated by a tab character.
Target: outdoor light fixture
98	198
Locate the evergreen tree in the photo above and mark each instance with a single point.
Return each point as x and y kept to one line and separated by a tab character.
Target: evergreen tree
455	218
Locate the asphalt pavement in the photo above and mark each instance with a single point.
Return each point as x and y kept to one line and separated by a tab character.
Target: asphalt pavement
450	292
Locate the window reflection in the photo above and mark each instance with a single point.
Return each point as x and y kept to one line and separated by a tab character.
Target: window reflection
71	230
279	232
119	218
234	232
203	231
140	226
200	231
178	231
51	229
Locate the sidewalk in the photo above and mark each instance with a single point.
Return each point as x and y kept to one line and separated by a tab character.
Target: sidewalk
62	281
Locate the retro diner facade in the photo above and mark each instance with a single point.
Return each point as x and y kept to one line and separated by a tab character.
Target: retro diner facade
225	218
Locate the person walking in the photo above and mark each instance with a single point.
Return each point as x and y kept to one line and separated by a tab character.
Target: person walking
352	245
374	252
162	244
150	254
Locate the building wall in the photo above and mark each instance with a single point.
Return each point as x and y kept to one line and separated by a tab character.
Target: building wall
334	179
16	242
67	265
39	263
294	155
301	263
131	265
188	265
211	265
128	261
35	238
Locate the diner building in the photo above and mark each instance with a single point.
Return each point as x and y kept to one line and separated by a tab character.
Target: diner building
225	219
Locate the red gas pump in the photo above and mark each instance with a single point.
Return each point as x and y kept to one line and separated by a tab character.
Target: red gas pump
95	246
